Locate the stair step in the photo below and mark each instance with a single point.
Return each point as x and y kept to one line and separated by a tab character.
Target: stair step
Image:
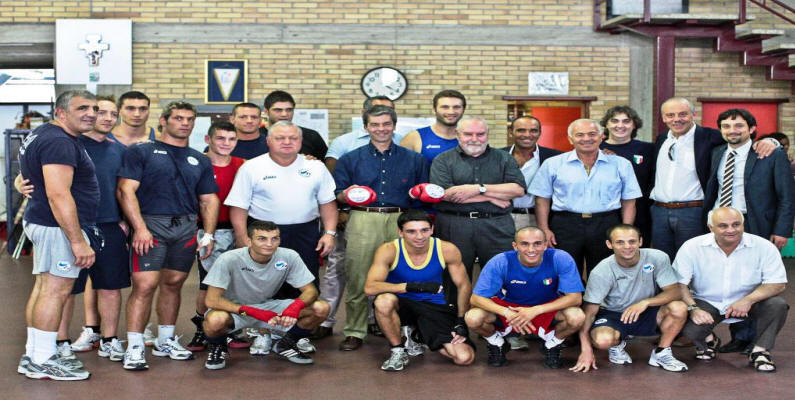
769	47
791	61
756	34
672	19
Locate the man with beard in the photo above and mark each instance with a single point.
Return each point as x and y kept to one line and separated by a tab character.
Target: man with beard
430	141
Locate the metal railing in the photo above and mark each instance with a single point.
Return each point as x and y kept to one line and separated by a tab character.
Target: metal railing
763	4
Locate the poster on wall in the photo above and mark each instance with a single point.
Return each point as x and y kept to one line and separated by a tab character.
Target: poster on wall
548	83
225	81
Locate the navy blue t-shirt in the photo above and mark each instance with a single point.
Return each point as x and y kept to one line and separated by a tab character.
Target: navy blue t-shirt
248	149
107	156
643	158
50	144
163	190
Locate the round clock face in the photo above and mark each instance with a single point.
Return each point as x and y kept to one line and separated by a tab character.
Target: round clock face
384	81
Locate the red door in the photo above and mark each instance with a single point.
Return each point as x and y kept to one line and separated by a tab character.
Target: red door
554	124
766	115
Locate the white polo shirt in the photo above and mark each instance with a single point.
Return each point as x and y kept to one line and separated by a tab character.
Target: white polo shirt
676	178
284	195
720	280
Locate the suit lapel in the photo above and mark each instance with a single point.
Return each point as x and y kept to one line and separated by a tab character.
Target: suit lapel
749	164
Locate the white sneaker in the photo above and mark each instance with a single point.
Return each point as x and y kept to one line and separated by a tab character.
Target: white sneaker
65	352
171	349
149	337
666	360
617	354
412	348
87	340
261	345
112	350
53	369
135	359
305	346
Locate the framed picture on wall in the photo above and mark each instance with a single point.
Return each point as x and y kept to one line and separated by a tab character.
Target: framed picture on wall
225	81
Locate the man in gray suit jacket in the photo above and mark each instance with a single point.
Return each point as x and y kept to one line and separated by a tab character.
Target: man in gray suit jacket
762	189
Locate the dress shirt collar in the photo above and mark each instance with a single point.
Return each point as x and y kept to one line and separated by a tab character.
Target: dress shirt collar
689	135
536	154
573	156
375	152
709	241
742	151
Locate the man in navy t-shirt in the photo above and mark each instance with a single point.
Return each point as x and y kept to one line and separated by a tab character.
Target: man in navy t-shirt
531	289
57	163
163	185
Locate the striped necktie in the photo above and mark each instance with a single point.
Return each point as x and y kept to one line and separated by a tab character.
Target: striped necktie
728	178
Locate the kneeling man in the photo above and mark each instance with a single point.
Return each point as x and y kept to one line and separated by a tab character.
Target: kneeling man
732	275
633	292
520	291
406	277
240	292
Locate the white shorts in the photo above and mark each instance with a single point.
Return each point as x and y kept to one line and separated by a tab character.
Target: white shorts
52	251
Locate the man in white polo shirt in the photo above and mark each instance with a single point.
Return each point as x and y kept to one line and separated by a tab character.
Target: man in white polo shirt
732	275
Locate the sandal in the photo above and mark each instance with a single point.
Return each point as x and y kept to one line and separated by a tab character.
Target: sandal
710	352
762	358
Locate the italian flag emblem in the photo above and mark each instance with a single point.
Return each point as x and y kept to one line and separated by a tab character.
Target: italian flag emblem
547	281
638	158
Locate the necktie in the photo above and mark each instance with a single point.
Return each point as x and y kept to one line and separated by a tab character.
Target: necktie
728	181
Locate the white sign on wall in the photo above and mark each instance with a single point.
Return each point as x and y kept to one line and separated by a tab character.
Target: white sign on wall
548	83
93	51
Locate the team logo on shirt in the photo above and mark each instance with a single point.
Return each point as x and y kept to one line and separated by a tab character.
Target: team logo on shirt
63	266
27	142
600	321
433	146
247	268
638	158
156	151
280	265
647	268
305	173
547	281
518	282
266	177
192	160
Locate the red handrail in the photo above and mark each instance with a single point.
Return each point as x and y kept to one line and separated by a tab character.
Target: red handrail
763	5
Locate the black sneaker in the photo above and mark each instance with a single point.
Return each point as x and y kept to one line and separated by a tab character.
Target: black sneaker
287	348
497	354
552	356
216	358
198	343
374	330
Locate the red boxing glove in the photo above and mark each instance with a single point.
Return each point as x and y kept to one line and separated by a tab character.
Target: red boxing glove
294	309
262	315
360	195
427	193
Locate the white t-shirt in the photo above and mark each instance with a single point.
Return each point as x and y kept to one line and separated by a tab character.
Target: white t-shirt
284	195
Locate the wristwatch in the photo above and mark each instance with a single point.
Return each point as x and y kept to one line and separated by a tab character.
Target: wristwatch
482	188
332	233
692	307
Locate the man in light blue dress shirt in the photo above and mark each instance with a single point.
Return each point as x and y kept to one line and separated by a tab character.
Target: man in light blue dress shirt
581	193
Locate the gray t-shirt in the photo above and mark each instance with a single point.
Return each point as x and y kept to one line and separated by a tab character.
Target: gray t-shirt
615	287
248	282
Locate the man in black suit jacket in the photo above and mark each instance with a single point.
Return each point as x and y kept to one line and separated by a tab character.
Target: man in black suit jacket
682	172
762	189
529	155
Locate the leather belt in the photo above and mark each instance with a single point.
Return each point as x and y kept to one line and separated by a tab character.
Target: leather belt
523	211
679	204
473	214
587	215
378	209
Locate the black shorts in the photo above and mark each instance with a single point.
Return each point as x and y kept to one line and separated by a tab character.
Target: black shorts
434	322
174	244
646	325
111	269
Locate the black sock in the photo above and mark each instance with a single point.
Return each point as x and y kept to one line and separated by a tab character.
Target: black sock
216	340
400	346
297	332
659	349
60	342
94	328
198	320
108	339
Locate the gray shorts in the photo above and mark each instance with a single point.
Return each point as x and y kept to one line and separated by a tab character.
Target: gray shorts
52	251
174	244
276	306
224	241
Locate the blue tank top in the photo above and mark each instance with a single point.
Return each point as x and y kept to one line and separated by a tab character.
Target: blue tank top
433	145
403	271
151	135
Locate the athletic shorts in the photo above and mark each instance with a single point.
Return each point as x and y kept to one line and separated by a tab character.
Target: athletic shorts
544	320
224	241
275	305
174	244
434	322
646	325
52	251
111	269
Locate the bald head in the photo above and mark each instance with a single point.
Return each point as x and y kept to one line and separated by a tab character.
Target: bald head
528	229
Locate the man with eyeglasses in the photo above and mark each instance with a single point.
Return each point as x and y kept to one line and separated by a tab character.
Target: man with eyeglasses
582	193
682	172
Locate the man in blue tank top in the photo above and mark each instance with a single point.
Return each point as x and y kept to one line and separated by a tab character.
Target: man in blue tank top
430	141
134	113
406	277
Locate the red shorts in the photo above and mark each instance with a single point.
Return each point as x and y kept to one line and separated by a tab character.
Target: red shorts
540	321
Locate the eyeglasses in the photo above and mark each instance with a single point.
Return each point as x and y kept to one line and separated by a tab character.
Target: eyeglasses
672	152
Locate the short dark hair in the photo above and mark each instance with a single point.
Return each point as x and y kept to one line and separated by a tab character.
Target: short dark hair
245	105
629	111
375	111
526	117
622	226
133	94
220	125
277	96
449	93
412	215
779	136
369	101
257	225
177	105
733	113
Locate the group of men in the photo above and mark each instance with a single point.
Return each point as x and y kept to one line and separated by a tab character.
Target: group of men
403	223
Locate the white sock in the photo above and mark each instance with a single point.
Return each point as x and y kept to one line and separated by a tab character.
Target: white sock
44	345
164	332
29	343
495	339
552	341
135	339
